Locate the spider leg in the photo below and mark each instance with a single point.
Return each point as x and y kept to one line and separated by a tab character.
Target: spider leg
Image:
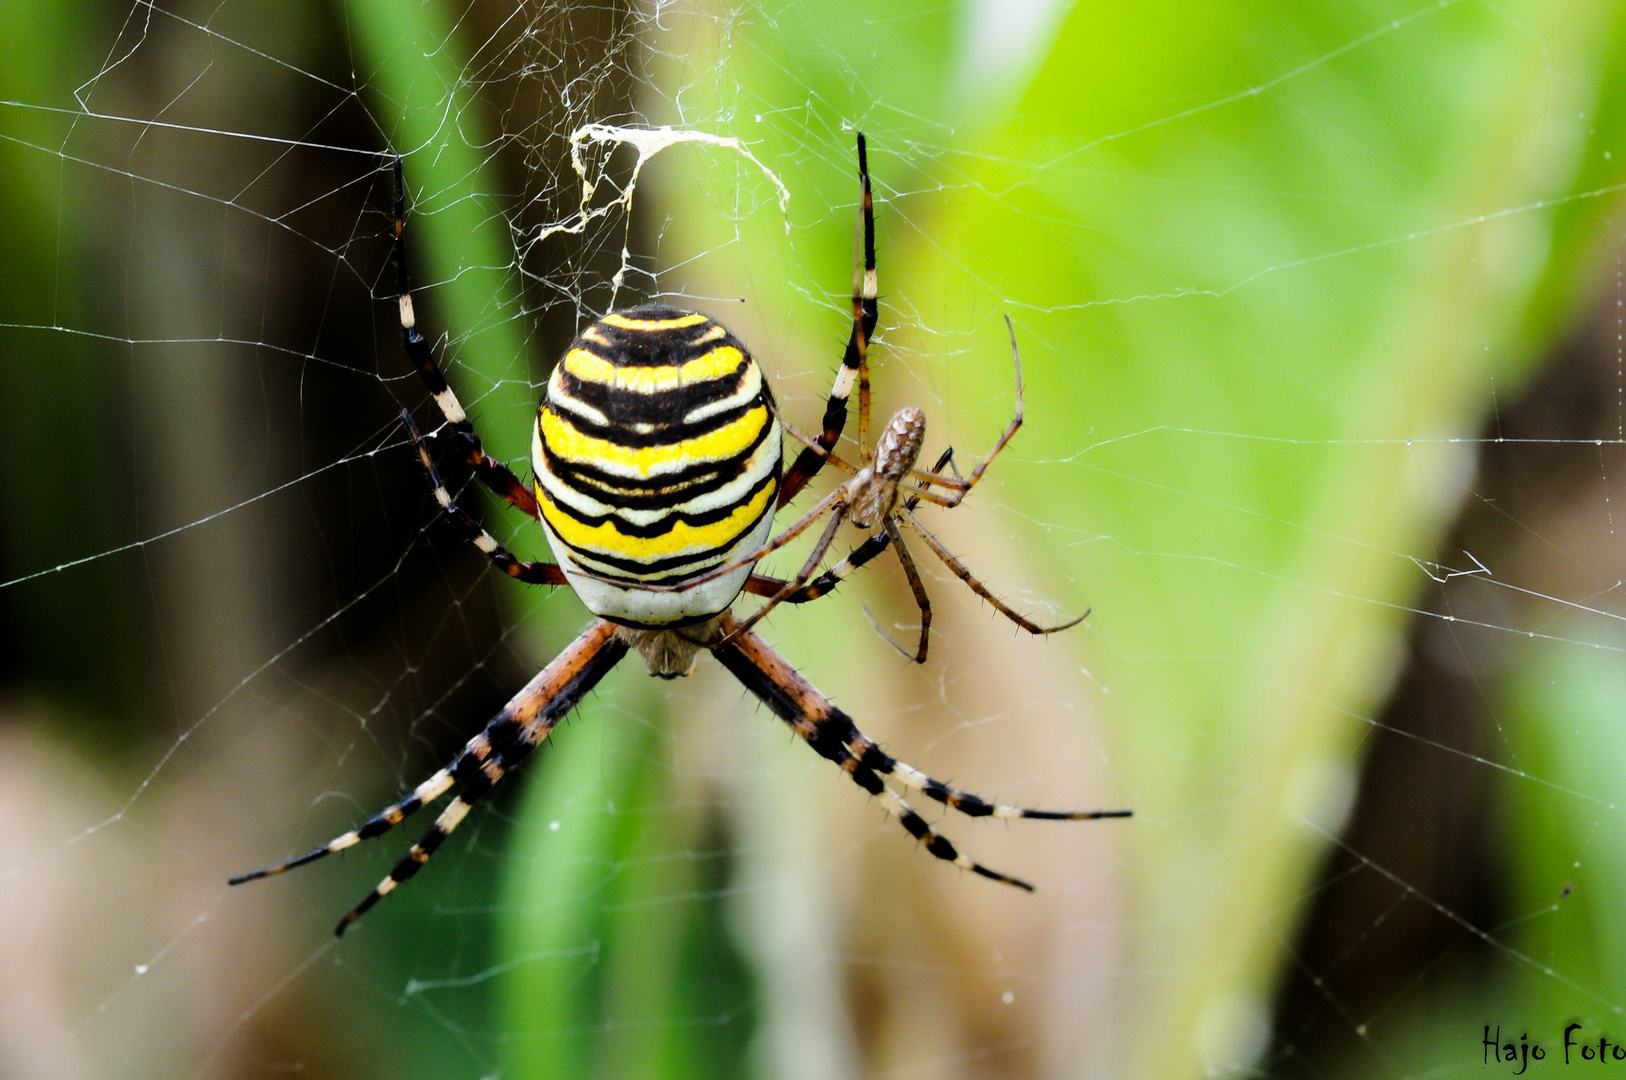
979	588
838	497
449	819
880	632
922	601
494	474
855	362
926	477
873	545
966	803
763	585
813	444
512	734
962	487
528	719
823	727
532	573
825	540
865	293
382	822
832	733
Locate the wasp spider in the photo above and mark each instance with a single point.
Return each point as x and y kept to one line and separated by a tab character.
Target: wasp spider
657	453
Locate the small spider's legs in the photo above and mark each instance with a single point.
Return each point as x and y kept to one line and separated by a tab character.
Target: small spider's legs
922	601
979	588
873	545
880	632
827	729
813	444
838	497
532	573
961	487
827	538
763	585
494	474
506	740
855	362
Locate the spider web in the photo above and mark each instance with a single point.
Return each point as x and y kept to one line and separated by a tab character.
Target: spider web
1368	722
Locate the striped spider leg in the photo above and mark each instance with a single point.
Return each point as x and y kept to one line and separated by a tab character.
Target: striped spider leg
494	474
834	736
506	741
855	361
538	708
531	573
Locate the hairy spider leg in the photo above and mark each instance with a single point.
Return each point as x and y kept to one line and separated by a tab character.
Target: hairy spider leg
494	474
855	361
523	723
826	538
873	545
961	486
535	712
960	571
532	573
918	587
834	736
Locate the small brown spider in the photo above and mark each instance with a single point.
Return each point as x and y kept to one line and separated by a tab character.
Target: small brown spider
883	493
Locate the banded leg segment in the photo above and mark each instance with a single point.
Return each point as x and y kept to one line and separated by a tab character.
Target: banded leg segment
763	585
386	819
963	801
532	573
855	361
812	716
834	736
510	735
523	723
413	861
873	545
494	474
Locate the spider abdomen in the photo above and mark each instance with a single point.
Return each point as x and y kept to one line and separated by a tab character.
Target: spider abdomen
657	457
896	452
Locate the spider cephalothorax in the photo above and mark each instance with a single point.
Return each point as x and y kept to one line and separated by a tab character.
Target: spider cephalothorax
658	458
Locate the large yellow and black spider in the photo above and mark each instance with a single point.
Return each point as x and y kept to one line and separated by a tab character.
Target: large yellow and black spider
658	451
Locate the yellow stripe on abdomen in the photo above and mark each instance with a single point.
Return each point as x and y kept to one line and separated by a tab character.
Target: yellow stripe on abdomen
619	321
563	441
680	538
723	360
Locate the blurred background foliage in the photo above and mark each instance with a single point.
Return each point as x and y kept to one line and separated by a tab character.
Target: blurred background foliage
1319	315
